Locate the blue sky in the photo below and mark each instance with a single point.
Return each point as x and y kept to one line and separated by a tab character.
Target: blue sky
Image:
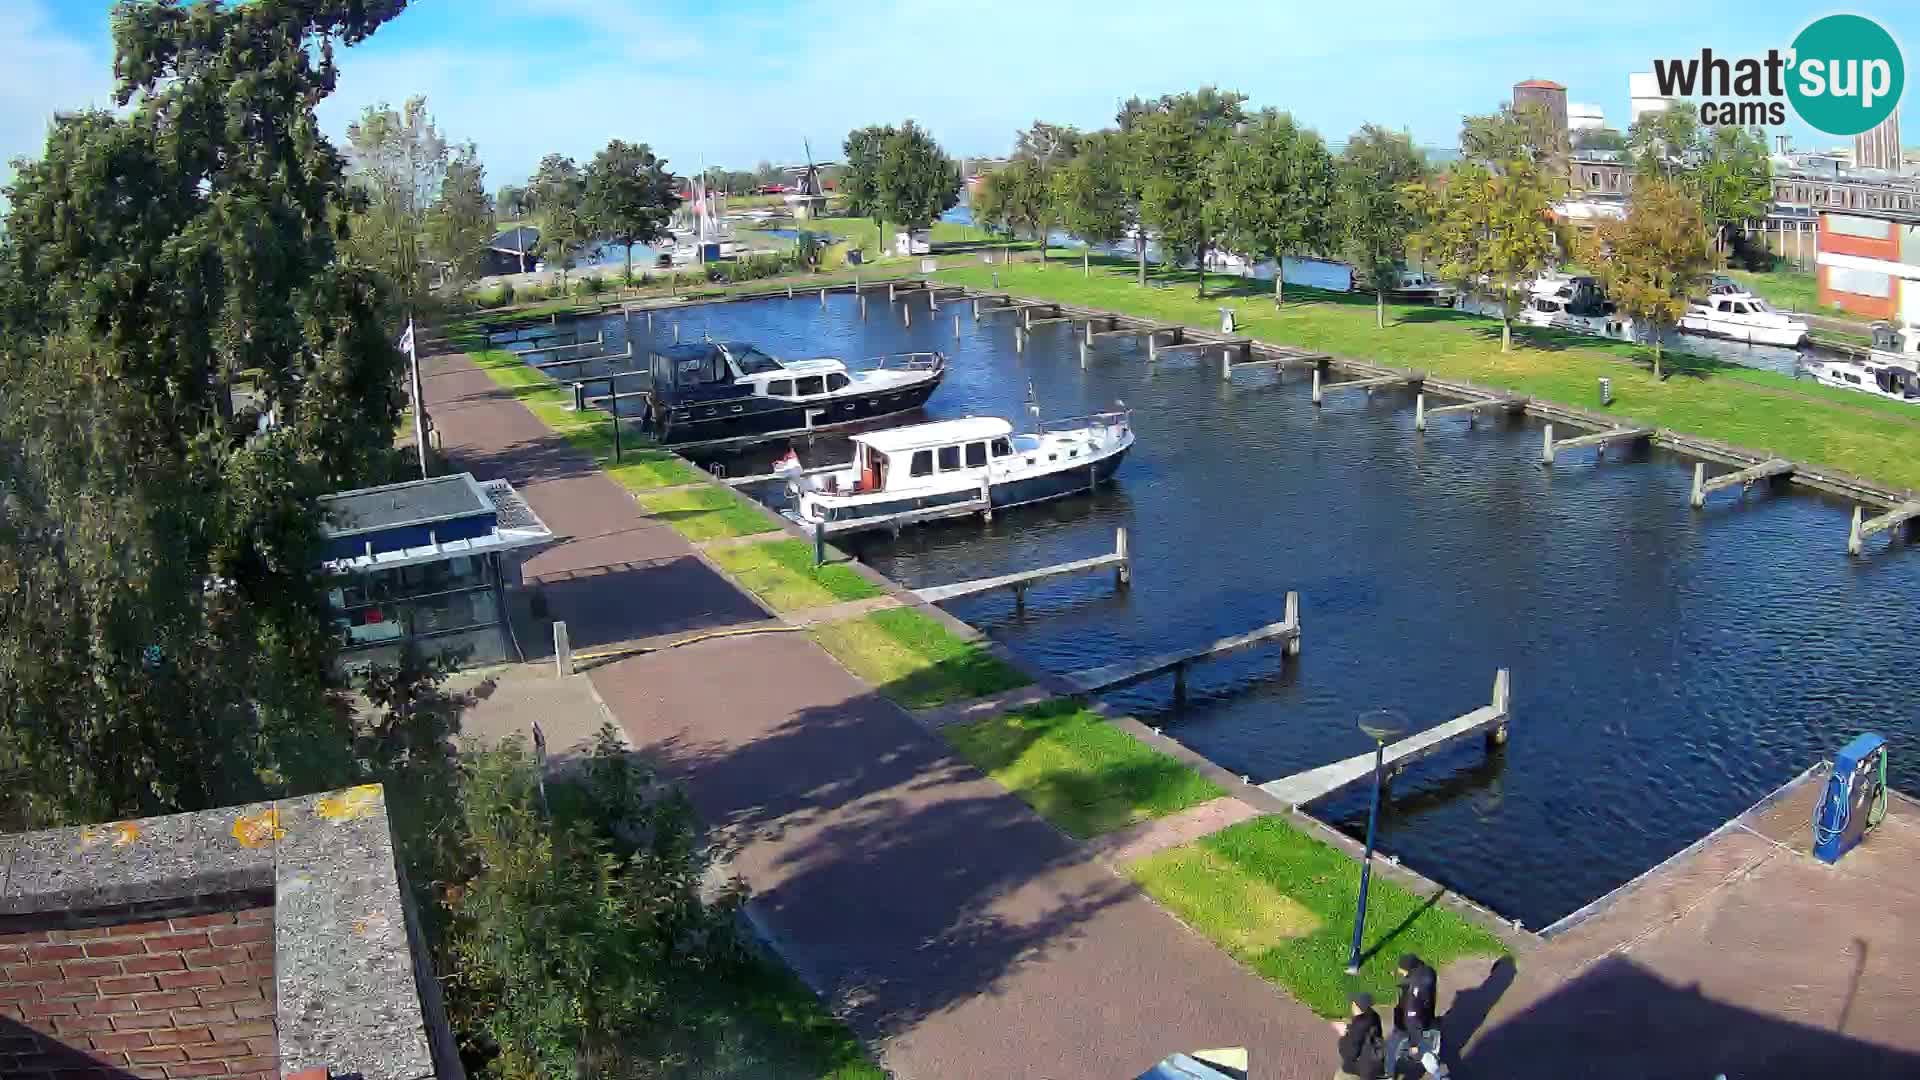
740	81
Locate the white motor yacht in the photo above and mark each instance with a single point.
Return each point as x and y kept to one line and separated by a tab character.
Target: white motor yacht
1567	302
1891	380
1742	316
951	468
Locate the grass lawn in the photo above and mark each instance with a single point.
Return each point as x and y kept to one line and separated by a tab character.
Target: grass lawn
875	270
1795	290
915	660
862	234
640	468
708	513
1080	772
1759	409
781	572
1282	903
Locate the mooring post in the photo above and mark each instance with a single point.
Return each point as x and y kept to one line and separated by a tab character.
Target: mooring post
1179	683
1083	356
1419	412
1292	618
1123	575
1698	498
562	651
789	290
819	542
996	278
863	305
1020	597
906	314
976	309
1019	340
649	323
1546	445
889	292
1316	385
1497	736
1089	331
823	297
1153	346
1226	365
579	396
986	501
956	328
1853	535
676	332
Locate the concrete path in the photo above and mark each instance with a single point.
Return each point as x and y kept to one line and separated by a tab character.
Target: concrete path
959	933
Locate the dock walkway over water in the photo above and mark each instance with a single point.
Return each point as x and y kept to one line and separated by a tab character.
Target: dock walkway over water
1021	581
1127	672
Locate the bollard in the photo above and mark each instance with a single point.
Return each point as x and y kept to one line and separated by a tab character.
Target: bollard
1316	386
579	396
1546	446
996	279
1419	412
1123	575
1606	391
562	651
819	542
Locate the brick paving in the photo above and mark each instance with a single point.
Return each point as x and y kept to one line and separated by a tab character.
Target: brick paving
960	934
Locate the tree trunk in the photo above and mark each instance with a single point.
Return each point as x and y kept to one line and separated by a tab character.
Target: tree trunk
1086	262
1200	267
1379	308
1279	280
1140	246
1040	232
627	279
1656	352
1506	332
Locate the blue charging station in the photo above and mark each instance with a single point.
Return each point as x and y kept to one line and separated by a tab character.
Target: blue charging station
1855	799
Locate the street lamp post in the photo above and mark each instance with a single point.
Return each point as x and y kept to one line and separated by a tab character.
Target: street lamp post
1380	725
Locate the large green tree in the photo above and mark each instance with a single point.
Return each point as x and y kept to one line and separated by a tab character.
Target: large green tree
1089	193
630	196
1272	187
1175	140
1491	229
165	641
460	221
559	194
398	161
1016	197
918	181
1375	208
1655	258
860	175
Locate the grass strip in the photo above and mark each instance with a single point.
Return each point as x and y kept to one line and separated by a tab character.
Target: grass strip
1078	771
1765	410
781	573
707	513
1282	903
914	660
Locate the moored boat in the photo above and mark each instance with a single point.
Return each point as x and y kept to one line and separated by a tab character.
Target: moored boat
1576	303
951	468
1742	316
730	389
1880	378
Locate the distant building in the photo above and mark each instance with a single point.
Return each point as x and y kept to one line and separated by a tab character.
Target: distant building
1585	118
1599	172
1644	91
1879	146
1869	263
512	251
1546	93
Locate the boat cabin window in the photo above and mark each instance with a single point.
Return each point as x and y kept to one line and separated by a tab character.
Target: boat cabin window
780	388
949	458
836	382
752	361
811	385
976	454
1002	448
922	463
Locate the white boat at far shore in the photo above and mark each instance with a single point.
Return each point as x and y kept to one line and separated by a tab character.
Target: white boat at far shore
1742	316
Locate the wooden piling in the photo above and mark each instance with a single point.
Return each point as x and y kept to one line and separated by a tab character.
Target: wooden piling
1546	445
1420	412
906	314
823	298
1316	385
956	328
1123	573
1083	356
562	651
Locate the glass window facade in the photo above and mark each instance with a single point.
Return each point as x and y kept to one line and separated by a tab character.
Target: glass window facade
426	600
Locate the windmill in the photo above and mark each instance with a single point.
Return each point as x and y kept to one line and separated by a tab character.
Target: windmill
809	196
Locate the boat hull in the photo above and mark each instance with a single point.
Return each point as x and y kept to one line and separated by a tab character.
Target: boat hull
678	424
1785	337
966	501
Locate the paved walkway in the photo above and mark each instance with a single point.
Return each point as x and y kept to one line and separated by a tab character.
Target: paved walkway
960	933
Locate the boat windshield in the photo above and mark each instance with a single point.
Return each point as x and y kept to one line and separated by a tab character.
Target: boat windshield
1758	306
752	361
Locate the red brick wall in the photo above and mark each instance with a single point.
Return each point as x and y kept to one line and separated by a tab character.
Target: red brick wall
186	996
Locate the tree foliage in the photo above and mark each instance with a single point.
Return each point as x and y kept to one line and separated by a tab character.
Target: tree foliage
1655	258
1089	192
1176	140
1271	186
1375	209
1726	169
559	197
397	160
1048	144
1492	229
165	641
918	182
460	221
860	176
581	925
630	196
1517	132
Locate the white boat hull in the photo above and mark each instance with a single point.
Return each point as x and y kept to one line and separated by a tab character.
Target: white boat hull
1789	337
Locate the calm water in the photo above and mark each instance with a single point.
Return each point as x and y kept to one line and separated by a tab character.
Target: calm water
1669	667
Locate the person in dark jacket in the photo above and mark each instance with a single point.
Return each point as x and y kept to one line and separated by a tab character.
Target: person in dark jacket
1413	1012
1362	1053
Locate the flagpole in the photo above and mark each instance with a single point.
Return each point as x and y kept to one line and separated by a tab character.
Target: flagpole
419	401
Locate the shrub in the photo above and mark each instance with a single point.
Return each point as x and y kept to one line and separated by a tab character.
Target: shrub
592	285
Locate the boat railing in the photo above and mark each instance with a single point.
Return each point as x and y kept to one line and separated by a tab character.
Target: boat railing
1121	417
907	361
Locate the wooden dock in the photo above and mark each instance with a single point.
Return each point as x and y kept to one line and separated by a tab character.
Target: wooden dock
1279	359
1471	408
1377	382
1744	478
761	478
1898	515
1126	673
1550	448
546	365
1489	720
1026	579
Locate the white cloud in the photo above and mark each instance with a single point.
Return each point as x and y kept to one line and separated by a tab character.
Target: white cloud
43	71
